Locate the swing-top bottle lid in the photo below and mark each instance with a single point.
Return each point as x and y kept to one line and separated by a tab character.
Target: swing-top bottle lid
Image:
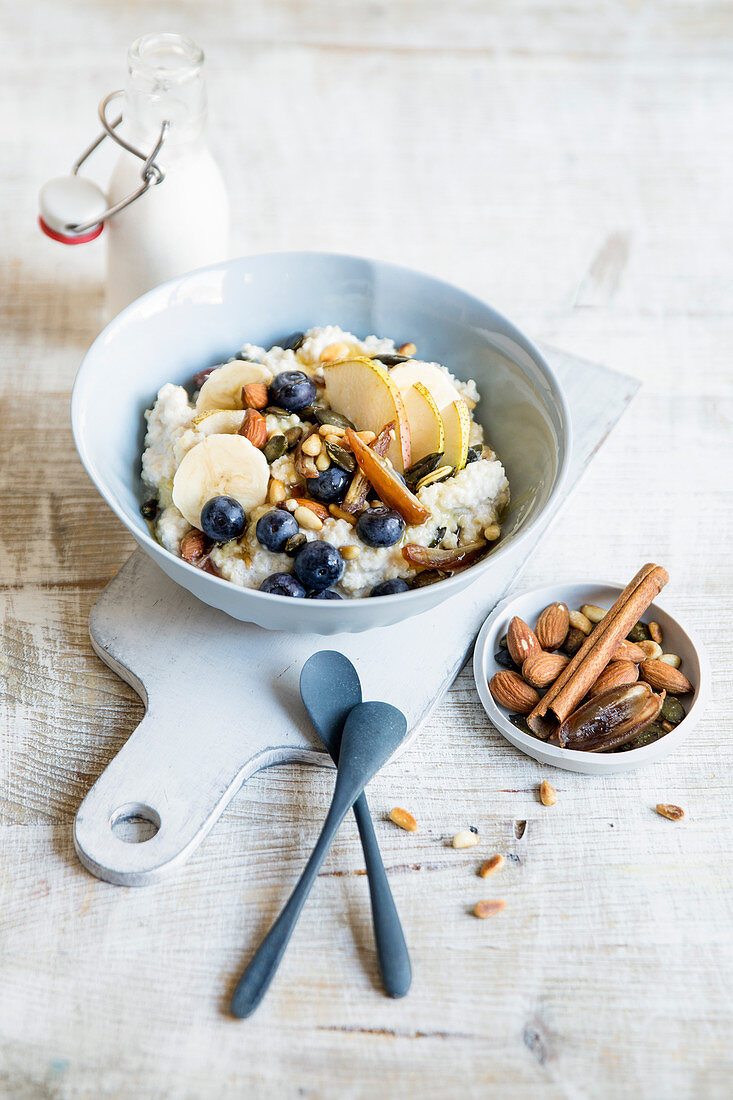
68	201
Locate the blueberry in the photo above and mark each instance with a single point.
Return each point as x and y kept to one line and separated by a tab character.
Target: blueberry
319	565
329	594
390	588
292	390
330	486
223	518
275	528
380	526
283	584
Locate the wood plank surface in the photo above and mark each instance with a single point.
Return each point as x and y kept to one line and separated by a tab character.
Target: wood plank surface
570	162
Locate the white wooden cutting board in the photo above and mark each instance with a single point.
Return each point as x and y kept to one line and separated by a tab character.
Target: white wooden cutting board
222	698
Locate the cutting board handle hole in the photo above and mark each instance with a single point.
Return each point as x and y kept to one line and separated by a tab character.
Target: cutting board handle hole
134	823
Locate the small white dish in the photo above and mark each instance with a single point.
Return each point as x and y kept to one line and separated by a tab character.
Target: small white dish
528	605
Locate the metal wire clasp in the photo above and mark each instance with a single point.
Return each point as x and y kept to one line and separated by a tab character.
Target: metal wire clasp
150	173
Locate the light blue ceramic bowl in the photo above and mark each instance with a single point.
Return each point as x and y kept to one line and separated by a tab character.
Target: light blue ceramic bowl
202	318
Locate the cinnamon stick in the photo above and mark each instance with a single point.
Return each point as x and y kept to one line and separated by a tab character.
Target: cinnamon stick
580	674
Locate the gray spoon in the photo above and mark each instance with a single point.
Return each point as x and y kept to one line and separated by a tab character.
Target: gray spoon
372	733
330	689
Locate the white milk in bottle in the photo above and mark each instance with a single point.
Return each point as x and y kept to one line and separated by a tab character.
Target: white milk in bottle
183	222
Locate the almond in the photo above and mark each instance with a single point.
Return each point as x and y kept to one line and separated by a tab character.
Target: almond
617	674
542	669
628	651
254	395
552	626
509	690
521	641
254	428
663	677
194	545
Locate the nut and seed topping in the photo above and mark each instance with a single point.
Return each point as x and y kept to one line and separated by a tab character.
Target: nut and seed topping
275	448
465	839
292	436
548	794
510	691
295	544
552	626
341	456
652	650
404	819
593	612
672	813
491	866
335	351
441	474
254	428
655	631
312	445
409	350
484	909
194	545
276	492
580	622
254	395
323	462
339	513
350	553
425	466
492	532
328	416
671	659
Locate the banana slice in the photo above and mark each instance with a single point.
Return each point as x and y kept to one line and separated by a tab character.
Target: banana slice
223	388
221	465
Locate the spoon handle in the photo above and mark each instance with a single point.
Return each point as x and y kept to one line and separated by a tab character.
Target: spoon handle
256	979
394	959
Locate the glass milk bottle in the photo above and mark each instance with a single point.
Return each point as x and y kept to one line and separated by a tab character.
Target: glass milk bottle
182	222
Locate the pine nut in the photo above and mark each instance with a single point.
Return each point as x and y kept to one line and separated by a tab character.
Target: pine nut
404	819
492	532
276	492
548	794
580	622
484	909
307	519
407	349
311	446
491	866
291	504
323	462
465	839
674	813
349	553
595	614
334	351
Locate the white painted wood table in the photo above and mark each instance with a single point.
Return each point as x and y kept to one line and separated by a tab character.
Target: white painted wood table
570	162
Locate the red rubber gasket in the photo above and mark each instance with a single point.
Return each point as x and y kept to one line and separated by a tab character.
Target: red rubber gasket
83	239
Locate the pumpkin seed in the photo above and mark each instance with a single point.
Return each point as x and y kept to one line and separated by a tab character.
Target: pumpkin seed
307	412
425	466
639	633
275	448
295	544
429	576
391	360
341	457
438	537
474	454
648	736
246	358
149	509
504	658
672	710
292	342
275	410
520	721
292	436
502	642
441	474
328	416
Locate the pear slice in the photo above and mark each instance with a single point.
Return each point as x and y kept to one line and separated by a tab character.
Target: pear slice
442	390
218	421
220	465
363	390
426	425
223	388
457	428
